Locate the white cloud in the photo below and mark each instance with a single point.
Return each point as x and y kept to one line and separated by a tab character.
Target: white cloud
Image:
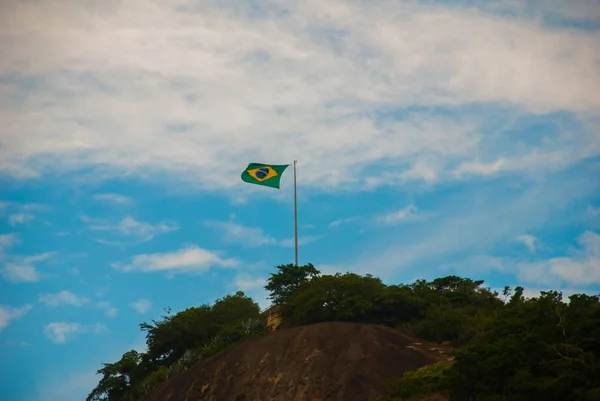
133	228
531	162
63	298
20	218
254	236
113	198
7	314
37	258
22	268
398	216
420	171
582	267
464	224
186	260
20	273
7	241
594	211
529	241
141	305
109	310
480	168
339	222
61	332
336	72
238	233
110	243
31	207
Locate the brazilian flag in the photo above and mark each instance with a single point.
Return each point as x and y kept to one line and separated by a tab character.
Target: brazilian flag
268	175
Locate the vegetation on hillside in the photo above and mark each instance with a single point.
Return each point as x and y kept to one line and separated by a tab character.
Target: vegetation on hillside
508	347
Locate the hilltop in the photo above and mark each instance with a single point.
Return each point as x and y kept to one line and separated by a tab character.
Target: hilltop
348	335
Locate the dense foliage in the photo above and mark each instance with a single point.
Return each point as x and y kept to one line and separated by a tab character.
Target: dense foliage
175	342
508	347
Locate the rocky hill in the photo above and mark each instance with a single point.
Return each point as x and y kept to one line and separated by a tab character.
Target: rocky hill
324	361
506	347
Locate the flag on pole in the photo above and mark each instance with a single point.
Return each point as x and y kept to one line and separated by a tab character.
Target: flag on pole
268	175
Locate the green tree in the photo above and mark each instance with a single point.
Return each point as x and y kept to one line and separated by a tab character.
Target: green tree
288	279
396	304
539	348
341	297
169	338
117	378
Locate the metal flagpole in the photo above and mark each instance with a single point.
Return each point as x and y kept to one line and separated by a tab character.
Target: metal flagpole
295	216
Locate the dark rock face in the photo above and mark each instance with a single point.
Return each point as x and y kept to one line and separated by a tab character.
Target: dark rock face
325	361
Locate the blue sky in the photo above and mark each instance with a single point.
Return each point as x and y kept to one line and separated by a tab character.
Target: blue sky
432	138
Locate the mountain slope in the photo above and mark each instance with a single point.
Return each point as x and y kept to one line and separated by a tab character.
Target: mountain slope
324	361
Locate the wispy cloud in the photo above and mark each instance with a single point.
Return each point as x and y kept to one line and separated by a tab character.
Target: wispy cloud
108	309
23	207
18	273
581	267
63	298
110	243
420	171
61	332
20	218
141	305
338	74
191	259
21	269
464	223
253	236
141	230
477	167
399	216
8	314
529	241
113	198
339	222
7	241
20	213
238	233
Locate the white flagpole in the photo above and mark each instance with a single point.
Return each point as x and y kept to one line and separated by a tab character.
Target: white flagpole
295	217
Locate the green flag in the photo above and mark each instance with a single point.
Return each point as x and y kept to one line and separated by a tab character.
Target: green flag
268	175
